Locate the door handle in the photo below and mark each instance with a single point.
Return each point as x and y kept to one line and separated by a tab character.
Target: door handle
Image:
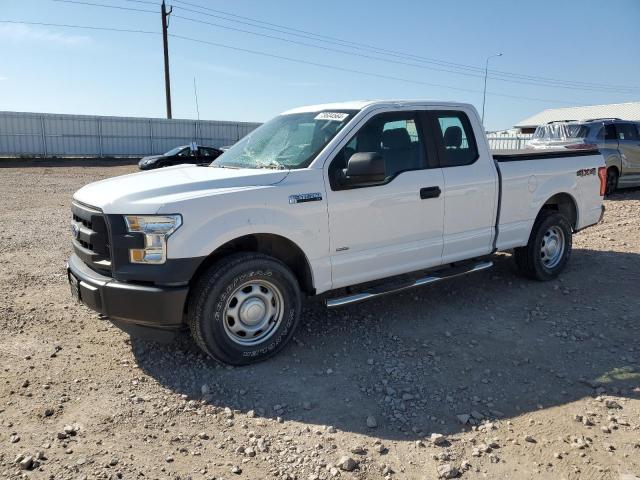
429	192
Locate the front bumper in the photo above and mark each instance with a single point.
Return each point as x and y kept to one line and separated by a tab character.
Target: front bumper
150	312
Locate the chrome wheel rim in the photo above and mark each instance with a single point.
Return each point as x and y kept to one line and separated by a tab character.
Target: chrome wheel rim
253	312
552	248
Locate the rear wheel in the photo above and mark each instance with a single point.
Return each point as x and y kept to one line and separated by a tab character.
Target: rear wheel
245	308
549	247
612	181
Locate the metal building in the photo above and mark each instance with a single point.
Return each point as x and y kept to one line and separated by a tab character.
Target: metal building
623	111
59	135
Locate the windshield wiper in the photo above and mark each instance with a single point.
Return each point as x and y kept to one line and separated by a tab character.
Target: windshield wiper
273	165
215	165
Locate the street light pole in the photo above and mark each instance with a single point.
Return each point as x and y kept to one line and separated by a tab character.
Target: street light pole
486	71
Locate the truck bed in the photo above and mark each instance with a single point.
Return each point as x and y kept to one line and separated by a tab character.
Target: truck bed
531	154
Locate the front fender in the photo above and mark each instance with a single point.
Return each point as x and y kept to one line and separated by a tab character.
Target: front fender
211	221
220	229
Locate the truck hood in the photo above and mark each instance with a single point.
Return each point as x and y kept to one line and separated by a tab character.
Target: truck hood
146	192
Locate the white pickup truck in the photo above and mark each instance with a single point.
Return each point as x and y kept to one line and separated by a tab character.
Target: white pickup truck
358	198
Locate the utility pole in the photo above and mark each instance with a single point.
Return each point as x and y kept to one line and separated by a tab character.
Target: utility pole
165	43
486	71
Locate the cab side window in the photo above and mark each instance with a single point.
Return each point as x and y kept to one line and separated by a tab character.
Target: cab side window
458	145
396	136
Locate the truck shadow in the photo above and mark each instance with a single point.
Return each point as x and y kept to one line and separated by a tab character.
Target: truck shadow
492	345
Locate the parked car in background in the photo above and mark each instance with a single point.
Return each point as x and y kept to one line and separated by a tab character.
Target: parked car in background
618	141
176	156
319	199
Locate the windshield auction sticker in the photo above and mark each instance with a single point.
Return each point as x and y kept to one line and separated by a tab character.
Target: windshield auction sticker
332	116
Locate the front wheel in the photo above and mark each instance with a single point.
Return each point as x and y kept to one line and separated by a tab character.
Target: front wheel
549	247
245	308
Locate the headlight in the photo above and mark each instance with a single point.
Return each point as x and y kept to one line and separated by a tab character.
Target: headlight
156	230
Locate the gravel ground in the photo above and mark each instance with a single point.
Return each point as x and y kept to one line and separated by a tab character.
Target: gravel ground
484	376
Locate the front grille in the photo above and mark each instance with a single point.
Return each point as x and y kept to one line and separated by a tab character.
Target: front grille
91	237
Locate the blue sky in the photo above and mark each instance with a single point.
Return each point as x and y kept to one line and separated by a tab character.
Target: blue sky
64	70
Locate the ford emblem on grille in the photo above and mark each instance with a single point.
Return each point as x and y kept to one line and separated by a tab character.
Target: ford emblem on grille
75	230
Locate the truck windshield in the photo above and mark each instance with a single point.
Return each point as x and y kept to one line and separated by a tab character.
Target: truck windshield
285	142
560	131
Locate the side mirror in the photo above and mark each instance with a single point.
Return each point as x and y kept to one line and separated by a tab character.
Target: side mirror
364	168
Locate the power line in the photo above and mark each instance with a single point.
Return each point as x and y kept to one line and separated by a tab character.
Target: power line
323	38
426	59
117	7
146	2
397	62
85	27
495	75
291	59
351	44
360	72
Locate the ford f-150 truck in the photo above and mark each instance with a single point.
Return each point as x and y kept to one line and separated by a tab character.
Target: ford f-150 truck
356	199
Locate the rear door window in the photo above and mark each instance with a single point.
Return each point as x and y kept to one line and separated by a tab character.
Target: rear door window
455	136
627	131
610	132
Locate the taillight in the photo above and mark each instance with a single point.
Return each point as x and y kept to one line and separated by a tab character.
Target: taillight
602	174
582	146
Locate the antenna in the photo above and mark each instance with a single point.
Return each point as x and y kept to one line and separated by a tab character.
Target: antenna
195	94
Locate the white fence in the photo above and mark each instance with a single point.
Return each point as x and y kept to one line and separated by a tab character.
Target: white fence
507	142
56	135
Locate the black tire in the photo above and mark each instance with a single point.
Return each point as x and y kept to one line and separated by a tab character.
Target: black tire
531	259
612	181
216	289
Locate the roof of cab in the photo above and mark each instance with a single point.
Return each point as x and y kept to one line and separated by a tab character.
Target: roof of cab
361	104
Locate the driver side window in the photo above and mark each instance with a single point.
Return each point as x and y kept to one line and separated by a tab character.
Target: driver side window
395	136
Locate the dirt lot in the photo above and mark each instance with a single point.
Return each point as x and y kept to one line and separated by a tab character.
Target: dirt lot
522	379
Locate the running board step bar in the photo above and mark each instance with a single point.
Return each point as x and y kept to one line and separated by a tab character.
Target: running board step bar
385	290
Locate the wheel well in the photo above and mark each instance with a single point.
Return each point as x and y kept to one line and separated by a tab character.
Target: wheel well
566	205
613	167
273	245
